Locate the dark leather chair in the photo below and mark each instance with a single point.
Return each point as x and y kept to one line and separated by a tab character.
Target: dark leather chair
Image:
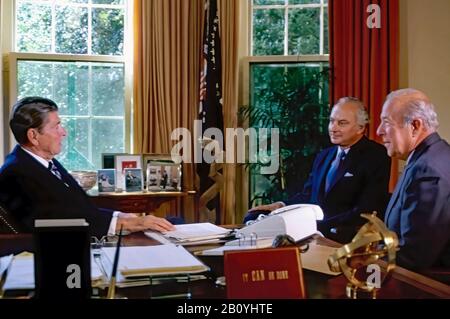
7	223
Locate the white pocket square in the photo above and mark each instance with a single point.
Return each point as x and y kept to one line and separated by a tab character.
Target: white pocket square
348	174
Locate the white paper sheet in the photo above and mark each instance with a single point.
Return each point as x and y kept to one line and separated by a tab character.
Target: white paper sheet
162	259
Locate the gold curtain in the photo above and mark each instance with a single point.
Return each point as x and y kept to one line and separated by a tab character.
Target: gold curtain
228	11
168	48
166	77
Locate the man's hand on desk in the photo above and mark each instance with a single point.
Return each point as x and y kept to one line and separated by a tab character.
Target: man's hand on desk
269	207
133	223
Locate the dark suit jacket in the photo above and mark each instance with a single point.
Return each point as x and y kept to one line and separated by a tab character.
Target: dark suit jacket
361	186
419	210
29	191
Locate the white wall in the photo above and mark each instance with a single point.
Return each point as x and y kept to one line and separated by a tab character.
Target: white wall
425	53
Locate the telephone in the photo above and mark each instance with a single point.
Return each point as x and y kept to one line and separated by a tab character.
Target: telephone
297	221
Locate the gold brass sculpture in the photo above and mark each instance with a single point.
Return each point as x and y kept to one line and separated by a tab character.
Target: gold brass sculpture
373	241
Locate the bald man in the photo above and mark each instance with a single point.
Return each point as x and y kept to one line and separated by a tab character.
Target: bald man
347	179
419	209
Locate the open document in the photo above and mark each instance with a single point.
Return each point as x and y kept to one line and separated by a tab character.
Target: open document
21	272
157	260
189	234
136	265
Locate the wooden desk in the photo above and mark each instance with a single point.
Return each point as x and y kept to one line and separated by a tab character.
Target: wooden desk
402	284
160	203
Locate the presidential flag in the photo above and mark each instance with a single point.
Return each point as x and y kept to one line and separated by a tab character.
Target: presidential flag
210	113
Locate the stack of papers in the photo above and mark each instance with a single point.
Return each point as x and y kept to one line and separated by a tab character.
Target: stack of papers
160	260
136	265
238	245
192	234
21	272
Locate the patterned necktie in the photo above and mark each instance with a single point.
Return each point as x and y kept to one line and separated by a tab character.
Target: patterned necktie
52	168
334	168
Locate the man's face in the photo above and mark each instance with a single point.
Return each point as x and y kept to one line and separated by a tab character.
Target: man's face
50	137
397	137
343	127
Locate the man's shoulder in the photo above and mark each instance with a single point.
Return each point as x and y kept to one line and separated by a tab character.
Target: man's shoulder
373	146
18	161
434	160
372	150
12	161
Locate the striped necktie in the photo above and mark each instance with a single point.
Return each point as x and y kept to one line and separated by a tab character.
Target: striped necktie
52	168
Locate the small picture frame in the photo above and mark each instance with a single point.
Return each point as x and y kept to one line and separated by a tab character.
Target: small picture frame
125	161
133	180
163	176
106	180
108	160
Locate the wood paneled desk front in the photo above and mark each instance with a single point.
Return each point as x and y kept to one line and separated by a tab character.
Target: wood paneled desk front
402	284
142	202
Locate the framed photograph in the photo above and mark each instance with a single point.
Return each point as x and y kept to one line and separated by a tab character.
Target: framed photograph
108	159
133	180
148	158
106	179
163	176
123	162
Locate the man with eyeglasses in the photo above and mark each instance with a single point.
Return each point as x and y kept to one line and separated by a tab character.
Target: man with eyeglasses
347	179
34	185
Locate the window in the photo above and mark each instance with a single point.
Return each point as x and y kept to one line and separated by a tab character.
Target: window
287	73
73	52
289	27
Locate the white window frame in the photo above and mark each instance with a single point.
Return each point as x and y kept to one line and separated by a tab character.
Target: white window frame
247	59
286	7
10	59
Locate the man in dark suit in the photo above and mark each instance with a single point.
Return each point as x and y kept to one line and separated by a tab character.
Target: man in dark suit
419	209
347	179
34	185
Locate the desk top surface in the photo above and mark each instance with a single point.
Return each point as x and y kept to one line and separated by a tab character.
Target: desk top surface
401	284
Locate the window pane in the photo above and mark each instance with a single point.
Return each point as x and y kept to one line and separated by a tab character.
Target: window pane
107	31
294	98
107	1
72	1
105	132
268	32
33	33
83	91
108	89
303	1
34	78
75	152
304	31
70	84
325	31
71	30
37	31
267	2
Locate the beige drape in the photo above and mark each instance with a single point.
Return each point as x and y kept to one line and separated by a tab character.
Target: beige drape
168	35
166	72
229	33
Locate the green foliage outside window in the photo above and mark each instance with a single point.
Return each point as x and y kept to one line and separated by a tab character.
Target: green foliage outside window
292	96
90	95
294	99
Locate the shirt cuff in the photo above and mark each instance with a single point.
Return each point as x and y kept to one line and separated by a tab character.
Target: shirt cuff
112	225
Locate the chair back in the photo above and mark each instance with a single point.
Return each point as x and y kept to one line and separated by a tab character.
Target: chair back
7	224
